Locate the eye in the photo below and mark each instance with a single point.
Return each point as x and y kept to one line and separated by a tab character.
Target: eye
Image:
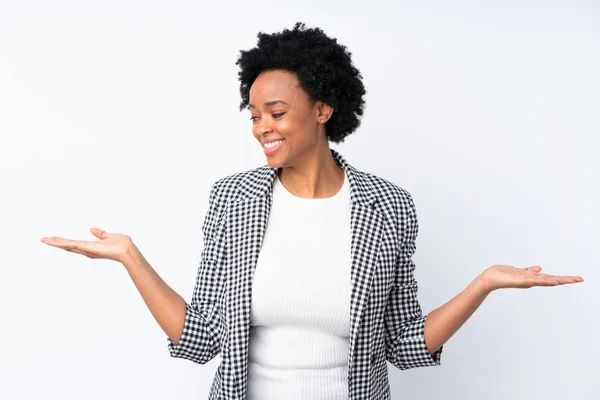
277	115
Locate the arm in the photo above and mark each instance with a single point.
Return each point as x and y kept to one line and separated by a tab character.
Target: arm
166	305
192	329
443	322
420	340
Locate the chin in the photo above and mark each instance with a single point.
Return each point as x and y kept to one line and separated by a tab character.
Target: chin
274	163
277	161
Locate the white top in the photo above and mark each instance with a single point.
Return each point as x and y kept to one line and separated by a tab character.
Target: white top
300	313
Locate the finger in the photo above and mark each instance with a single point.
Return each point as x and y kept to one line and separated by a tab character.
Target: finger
67	244
72	246
542	280
99	233
47	239
552	280
569	279
563	278
57	239
53	240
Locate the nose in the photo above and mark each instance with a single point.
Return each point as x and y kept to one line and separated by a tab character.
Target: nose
264	126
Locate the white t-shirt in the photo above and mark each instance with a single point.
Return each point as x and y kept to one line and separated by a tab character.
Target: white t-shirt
300	313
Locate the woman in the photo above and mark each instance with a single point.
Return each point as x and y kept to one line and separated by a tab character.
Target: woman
305	285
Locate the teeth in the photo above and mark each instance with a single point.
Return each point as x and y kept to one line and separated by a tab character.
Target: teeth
273	144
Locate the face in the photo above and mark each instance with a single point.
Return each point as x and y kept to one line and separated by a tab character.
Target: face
281	110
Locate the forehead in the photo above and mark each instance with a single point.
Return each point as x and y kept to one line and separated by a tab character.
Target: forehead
276	84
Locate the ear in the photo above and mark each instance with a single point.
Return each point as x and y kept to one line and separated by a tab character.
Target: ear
324	112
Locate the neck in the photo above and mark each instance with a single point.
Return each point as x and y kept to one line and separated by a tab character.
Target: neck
315	175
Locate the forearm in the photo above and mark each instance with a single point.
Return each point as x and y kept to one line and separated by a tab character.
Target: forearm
166	305
444	321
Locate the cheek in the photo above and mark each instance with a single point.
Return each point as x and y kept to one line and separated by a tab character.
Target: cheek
295	127
286	125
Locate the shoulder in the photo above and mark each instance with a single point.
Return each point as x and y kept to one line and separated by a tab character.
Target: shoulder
225	186
389	192
221	192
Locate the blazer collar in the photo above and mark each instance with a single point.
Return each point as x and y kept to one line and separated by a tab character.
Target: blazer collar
259	184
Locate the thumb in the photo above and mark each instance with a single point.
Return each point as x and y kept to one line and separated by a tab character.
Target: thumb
535	268
99	233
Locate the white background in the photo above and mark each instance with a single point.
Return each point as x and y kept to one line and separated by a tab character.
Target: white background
121	114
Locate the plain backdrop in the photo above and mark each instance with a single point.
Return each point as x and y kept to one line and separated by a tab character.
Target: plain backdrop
121	115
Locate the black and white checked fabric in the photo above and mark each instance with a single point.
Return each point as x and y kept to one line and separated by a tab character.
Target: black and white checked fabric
385	316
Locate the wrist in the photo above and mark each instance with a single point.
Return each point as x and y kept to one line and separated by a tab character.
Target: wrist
131	257
483	285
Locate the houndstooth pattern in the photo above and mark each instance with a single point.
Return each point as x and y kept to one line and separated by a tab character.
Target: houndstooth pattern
386	321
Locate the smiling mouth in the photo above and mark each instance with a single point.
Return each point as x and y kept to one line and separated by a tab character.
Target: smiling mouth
273	146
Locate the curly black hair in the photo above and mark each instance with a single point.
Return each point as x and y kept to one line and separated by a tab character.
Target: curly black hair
323	67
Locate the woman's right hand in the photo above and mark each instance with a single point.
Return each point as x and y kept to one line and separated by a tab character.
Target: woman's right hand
111	246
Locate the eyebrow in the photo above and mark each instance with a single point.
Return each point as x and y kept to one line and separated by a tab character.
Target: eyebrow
268	103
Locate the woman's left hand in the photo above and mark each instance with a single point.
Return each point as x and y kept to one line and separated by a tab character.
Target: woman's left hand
506	276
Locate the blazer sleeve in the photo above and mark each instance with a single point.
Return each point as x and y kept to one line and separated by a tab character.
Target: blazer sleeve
199	340
404	322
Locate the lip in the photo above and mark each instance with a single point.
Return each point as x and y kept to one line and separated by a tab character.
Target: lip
274	149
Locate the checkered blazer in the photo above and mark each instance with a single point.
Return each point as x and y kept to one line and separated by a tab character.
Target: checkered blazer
386	322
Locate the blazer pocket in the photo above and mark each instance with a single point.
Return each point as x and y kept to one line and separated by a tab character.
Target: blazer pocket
222	316
213	234
210	250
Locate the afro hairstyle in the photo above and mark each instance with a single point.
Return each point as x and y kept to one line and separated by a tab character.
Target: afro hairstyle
323	67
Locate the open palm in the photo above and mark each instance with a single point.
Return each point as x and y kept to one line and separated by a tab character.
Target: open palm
507	276
112	246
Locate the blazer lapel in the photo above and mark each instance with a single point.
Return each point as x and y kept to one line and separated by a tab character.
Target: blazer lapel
246	220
